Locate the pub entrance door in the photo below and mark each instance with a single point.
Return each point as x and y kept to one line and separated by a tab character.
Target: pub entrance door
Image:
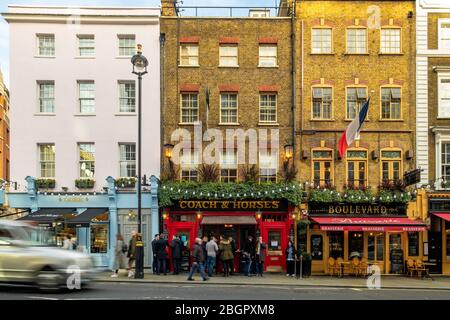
276	236
435	251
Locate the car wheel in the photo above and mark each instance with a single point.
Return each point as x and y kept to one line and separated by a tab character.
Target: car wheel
49	280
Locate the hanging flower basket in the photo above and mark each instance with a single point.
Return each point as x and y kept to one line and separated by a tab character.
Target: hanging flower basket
85	183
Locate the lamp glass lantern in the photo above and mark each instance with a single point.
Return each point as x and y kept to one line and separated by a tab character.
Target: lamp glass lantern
168	150
140	62
289	151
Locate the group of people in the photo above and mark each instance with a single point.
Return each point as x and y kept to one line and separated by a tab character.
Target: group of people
123	251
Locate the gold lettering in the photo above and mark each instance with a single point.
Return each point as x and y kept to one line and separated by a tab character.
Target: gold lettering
364	209
225	204
266	204
383	209
351	209
376	209
357	209
345	209
213	204
183	204
330	209
338	209
252	205
275	204
244	205
369	210
260	205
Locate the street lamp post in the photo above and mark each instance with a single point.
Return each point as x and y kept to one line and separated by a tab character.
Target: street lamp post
140	64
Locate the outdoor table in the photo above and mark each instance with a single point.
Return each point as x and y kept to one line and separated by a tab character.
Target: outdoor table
342	265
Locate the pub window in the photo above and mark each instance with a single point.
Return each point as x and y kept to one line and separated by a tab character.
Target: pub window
268	55
391	165
228	166
189	165
321	40
99	238
445	161
268	108
189	55
356	40
391	103
316	247
390	40
322	163
274	240
413	244
356	244
321	103
268	165
356	168
375	247
336	244
228	108
189	107
356	97
228	56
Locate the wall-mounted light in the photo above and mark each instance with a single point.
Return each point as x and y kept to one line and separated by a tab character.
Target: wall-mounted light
288	151
199	215
293	216
168	149
258	215
165	216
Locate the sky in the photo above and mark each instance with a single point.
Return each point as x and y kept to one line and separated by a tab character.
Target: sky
4	29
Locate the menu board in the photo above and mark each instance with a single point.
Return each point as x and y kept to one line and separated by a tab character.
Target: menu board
316	247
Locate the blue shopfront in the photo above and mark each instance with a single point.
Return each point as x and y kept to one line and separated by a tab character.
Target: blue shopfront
93	219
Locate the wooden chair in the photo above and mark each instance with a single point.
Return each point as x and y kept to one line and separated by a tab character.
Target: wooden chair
332	266
420	268
355	266
363	265
340	267
411	267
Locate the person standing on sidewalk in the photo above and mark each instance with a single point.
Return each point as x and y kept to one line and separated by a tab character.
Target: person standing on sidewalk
248	255
290	253
155	259
119	255
199	261
211	250
260	255
226	255
161	254
233	250
132	253
176	254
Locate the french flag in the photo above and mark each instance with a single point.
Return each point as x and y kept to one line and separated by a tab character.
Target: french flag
353	129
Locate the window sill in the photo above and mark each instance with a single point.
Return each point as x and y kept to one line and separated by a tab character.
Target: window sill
229	124
124	57
391	120
84	115
322	54
442	118
188	66
229	66
45	57
189	123
350	120
390	54
85	58
125	114
268	67
268	124
45	114
356	54
322	120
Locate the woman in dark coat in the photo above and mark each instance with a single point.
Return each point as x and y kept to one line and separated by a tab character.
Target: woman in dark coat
176	254
290	253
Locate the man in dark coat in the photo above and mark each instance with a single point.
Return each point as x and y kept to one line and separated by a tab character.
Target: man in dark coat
155	258
176	246
248	255
199	260
161	254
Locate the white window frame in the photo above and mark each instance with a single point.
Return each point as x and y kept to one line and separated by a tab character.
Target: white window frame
80	161
189	163
46	161
84	37
389	51
39	97
321	49
38	47
321	117
347	40
441	46
126	36
442	76
261	56
390	104
79	83
359	101
189	108
222	55
124	161
271	163
229	109
268	107
189	55
133	107
228	160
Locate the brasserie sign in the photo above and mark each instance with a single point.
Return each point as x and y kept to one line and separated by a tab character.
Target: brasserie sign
233	205
357	209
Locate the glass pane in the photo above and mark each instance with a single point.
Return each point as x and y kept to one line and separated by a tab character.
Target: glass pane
380	247
371	248
99	238
356	244
391	154
316	247
413	244
274	240
361	154
336	244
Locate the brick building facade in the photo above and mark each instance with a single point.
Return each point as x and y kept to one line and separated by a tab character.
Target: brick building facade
4	130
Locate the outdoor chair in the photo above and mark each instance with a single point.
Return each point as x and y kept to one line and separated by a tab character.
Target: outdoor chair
363	265
420	268
340	266
355	266
332	270
411	267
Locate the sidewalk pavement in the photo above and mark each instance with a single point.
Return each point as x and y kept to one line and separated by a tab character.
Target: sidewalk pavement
387	281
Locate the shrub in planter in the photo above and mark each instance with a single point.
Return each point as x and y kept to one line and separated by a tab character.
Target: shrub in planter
45	183
126	182
306	264
84	183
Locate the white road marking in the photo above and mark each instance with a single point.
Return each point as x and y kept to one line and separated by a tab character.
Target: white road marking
356	289
43	298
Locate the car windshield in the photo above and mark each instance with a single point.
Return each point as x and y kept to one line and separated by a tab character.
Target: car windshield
30	235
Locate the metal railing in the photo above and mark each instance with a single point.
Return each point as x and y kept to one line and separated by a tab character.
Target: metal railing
225	11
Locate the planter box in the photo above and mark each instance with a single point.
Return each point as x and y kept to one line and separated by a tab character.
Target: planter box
128	183
306	268
84	183
45	183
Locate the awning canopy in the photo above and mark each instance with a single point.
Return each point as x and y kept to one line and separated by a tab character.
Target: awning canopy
229	220
369	224
444	216
46	216
84	219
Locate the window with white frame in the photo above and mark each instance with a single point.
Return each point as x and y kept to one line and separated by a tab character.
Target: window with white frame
444	35
189	54
444	95
390	103
86	96
268	166
189	107
267	55
86	45
356	97
189	161
86	160
228	56
268	108
390	40
47	160
321	40
127	159
46	97
356	40
445	161
46	45
322	101
228	166
127	45
127	96
228	108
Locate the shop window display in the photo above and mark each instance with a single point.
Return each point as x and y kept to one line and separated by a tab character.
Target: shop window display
413	244
356	244
336	248
99	238
317	247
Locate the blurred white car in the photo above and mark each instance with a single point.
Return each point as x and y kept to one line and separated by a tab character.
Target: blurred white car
25	260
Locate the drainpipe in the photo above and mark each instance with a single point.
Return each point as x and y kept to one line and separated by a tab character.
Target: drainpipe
301	89
294	77
162	41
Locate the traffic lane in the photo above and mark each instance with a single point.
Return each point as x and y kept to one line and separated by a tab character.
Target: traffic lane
200	291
